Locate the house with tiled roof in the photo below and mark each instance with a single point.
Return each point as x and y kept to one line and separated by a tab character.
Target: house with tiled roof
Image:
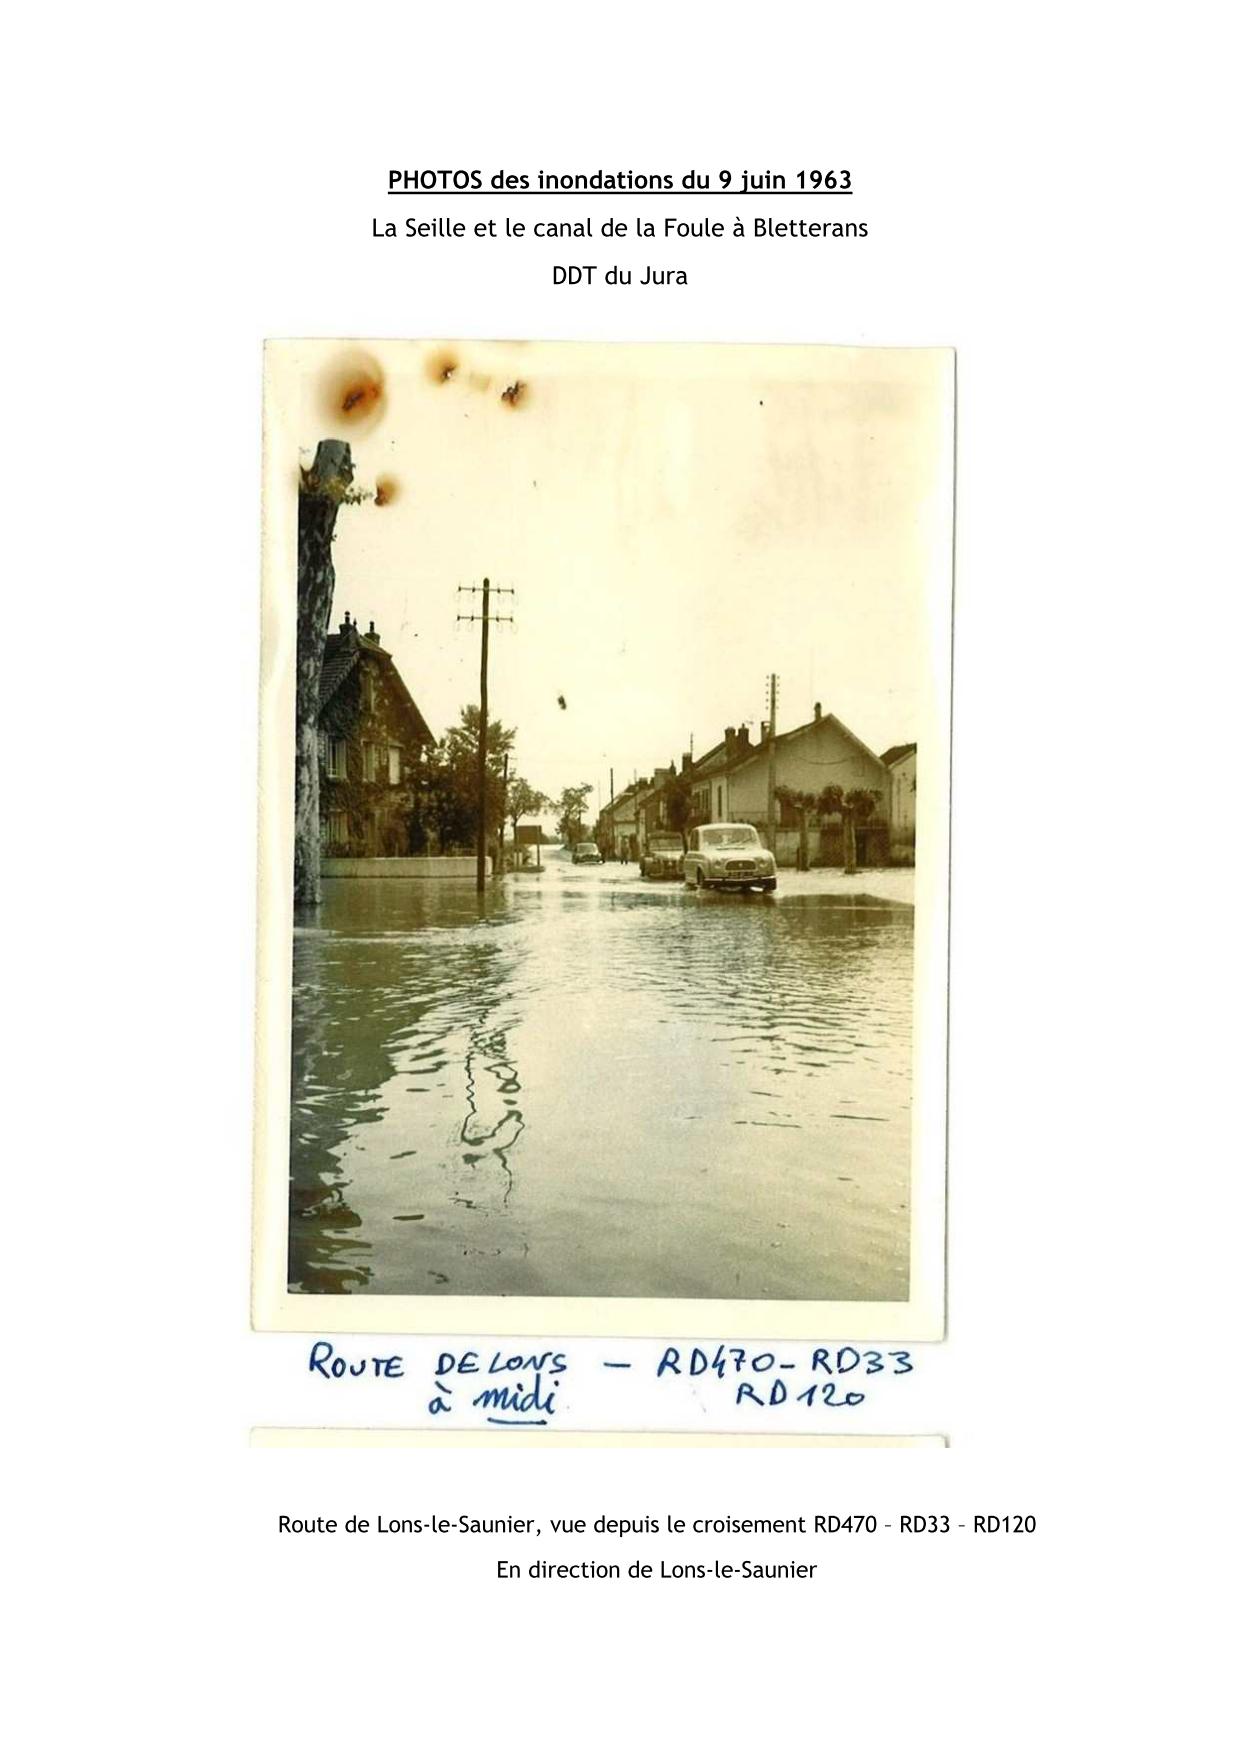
820	753
372	745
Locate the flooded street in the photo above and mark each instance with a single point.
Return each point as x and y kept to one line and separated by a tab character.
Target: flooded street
585	1084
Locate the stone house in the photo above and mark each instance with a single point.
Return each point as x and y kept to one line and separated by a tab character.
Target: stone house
372	740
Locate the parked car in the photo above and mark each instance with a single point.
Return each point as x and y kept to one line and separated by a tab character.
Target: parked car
728	855
586	853
663	856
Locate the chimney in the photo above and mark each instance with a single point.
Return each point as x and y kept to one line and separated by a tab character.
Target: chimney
686	761
765	729
348	627
372	635
817	709
742	739
729	743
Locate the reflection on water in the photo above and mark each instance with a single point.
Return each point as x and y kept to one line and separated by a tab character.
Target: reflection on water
582	1085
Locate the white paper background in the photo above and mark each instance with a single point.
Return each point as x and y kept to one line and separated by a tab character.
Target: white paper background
1044	190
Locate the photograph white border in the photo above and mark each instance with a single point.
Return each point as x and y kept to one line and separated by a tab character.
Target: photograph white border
273	1306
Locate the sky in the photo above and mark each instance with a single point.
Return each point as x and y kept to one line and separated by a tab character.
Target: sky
675	523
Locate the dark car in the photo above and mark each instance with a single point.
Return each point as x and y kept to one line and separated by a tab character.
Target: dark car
586	853
664	856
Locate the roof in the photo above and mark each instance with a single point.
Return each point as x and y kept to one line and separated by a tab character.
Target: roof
341	653
760	749
423	729
621	798
339	657
897	752
712	760
648	788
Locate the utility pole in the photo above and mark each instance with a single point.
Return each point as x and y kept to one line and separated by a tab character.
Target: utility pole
503	816
486	618
772	821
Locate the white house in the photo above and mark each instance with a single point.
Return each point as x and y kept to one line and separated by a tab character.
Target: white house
901	764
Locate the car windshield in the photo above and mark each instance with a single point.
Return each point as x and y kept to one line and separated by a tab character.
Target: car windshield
740	835
586	846
665	843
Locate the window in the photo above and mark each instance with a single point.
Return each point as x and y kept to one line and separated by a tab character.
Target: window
739	834
337	828
393	765
370	761
370	694
337	758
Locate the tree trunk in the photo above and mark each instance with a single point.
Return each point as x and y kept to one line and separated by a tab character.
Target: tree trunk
323	487
850	844
803	848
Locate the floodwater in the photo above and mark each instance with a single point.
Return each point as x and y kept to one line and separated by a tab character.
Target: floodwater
585	1084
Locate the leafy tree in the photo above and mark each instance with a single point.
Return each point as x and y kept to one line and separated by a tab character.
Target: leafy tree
461	742
460	748
678	802
852	807
802	803
523	801
859	806
441	809
447	802
571	805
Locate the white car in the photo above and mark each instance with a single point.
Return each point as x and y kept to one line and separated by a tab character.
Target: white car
728	855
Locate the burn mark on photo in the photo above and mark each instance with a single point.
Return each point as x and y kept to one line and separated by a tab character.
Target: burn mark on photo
442	366
387	489
517	393
353	391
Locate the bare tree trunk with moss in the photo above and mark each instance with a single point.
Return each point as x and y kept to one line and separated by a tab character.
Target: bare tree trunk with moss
323	487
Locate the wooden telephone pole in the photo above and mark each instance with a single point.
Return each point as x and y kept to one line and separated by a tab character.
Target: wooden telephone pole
772	821
486	618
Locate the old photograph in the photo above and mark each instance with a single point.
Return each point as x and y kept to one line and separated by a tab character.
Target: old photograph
604	838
